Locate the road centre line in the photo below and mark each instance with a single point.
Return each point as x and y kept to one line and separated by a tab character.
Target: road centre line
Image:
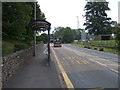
106	66
89	55
113	64
75	51
98	62
115	70
64	74
104	60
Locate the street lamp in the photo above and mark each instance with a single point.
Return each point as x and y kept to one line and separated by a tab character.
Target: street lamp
34	30
40	25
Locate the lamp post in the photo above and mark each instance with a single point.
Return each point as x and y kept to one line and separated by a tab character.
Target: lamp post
34	52
41	25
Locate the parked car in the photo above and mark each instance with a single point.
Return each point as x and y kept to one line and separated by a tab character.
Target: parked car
57	44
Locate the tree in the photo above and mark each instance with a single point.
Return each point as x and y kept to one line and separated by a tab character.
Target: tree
68	35
78	34
16	17
97	21
58	32
43	37
116	31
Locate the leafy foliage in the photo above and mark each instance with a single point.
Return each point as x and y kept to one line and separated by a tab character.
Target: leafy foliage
66	34
43	37
116	31
59	32
97	21
16	33
16	17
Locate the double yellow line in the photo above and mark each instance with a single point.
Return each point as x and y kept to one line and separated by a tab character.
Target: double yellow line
65	76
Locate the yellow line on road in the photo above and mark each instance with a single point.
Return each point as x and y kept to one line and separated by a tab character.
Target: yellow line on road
64	74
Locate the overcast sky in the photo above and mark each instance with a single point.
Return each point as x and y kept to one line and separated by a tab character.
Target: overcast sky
64	12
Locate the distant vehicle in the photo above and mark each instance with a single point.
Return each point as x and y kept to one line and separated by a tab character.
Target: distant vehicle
57	44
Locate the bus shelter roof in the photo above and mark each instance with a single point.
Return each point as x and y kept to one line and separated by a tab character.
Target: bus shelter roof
40	25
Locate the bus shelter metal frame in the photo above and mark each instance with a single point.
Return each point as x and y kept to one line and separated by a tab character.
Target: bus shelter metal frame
41	25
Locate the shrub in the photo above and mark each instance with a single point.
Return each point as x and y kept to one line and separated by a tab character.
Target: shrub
89	47
18	47
101	49
7	48
95	48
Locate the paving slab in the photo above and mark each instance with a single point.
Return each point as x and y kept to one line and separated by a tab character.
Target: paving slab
37	74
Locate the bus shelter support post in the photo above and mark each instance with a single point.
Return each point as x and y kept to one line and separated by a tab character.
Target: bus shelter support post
49	47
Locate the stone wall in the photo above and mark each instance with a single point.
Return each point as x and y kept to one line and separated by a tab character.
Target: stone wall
0	72
14	62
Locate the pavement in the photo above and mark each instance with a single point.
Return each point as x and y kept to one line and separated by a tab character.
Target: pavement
37	74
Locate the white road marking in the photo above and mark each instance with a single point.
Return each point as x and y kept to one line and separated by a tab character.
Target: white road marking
98	62
114	70
78	53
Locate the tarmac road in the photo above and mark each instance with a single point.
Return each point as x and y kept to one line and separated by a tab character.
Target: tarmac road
88	68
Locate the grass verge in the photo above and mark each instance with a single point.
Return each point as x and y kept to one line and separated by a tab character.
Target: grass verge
11	46
113	51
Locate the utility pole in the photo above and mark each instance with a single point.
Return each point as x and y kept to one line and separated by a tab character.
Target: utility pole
77	22
77	28
34	53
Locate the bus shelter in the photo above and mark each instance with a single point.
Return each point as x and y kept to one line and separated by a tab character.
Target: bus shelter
41	25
